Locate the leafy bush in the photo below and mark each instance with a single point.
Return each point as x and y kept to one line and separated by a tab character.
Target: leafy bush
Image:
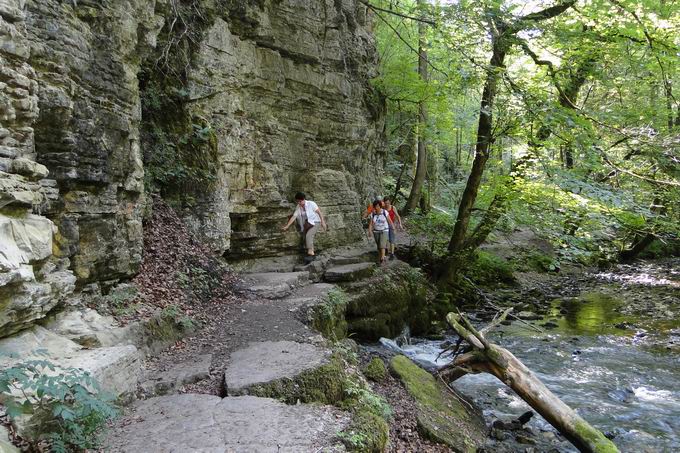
435	228
488	269
67	403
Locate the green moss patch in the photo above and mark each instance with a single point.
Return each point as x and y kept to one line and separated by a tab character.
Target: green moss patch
375	370
329	317
441	416
382	305
338	383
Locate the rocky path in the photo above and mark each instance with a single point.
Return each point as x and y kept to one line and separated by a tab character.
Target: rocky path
197	396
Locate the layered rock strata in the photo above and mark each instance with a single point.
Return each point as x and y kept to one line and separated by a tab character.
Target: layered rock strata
285	87
281	87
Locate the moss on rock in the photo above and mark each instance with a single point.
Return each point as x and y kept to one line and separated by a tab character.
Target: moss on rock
441	416
326	384
375	370
382	305
329	317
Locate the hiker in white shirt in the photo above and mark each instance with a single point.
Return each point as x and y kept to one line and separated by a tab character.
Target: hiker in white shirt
380	225
309	217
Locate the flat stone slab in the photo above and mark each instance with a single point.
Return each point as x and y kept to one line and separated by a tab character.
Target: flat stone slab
269	361
192	370
274	285
349	272
206	423
308	295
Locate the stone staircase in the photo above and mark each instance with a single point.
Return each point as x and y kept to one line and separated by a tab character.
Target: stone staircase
280	354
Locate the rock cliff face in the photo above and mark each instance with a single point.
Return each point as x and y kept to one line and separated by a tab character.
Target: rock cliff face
280	88
284	86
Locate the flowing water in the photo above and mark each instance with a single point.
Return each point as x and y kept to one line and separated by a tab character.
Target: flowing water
625	380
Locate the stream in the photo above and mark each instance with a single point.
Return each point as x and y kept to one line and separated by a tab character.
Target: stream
616	361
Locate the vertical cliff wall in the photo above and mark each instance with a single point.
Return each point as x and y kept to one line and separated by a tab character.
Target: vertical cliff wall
284	87
273	97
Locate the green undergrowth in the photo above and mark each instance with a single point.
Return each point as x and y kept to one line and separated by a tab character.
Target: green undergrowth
488	269
64	407
328	318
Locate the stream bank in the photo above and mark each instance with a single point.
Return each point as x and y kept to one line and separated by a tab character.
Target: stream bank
605	341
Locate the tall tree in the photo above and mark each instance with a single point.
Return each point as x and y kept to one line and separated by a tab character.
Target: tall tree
421	165
503	36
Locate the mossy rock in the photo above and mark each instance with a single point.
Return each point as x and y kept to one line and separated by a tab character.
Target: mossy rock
440	415
328	318
337	384
382	305
325	384
375	370
367	432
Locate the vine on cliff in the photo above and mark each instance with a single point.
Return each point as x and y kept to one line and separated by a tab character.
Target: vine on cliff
180	147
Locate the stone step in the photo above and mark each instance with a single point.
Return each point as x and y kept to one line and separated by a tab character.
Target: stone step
349	272
193	422
342	260
163	382
268	361
274	285
310	294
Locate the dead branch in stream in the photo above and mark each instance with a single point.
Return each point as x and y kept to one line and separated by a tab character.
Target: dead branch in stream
481	356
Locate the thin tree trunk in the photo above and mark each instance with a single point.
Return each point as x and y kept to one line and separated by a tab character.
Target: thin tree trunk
421	166
489	358
484	130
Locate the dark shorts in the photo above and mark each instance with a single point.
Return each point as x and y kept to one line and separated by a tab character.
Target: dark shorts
392	236
380	239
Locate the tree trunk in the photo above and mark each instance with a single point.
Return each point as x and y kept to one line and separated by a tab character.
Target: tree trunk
421	166
569	96
484	131
489	358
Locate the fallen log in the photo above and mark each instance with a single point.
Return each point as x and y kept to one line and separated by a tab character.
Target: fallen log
481	356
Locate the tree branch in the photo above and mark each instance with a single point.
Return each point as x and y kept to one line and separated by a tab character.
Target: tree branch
397	13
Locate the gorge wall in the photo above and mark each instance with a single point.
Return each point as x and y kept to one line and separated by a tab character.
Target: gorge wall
278	91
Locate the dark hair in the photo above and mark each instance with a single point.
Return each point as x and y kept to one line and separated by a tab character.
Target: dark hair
377	203
386	199
300	196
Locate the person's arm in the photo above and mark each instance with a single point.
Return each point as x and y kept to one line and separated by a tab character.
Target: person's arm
323	222
396	214
370	227
290	221
389	220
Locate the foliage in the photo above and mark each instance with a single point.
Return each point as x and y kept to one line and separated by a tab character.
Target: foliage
175	314
433	228
586	101
68	402
488	269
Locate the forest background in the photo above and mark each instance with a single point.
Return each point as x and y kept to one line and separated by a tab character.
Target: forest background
558	117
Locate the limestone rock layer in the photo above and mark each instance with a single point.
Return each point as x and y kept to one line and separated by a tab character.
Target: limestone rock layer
280	88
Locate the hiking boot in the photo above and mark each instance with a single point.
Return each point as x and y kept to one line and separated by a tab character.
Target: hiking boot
392	257
309	259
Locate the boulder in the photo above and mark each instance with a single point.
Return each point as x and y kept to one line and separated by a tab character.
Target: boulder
441	416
